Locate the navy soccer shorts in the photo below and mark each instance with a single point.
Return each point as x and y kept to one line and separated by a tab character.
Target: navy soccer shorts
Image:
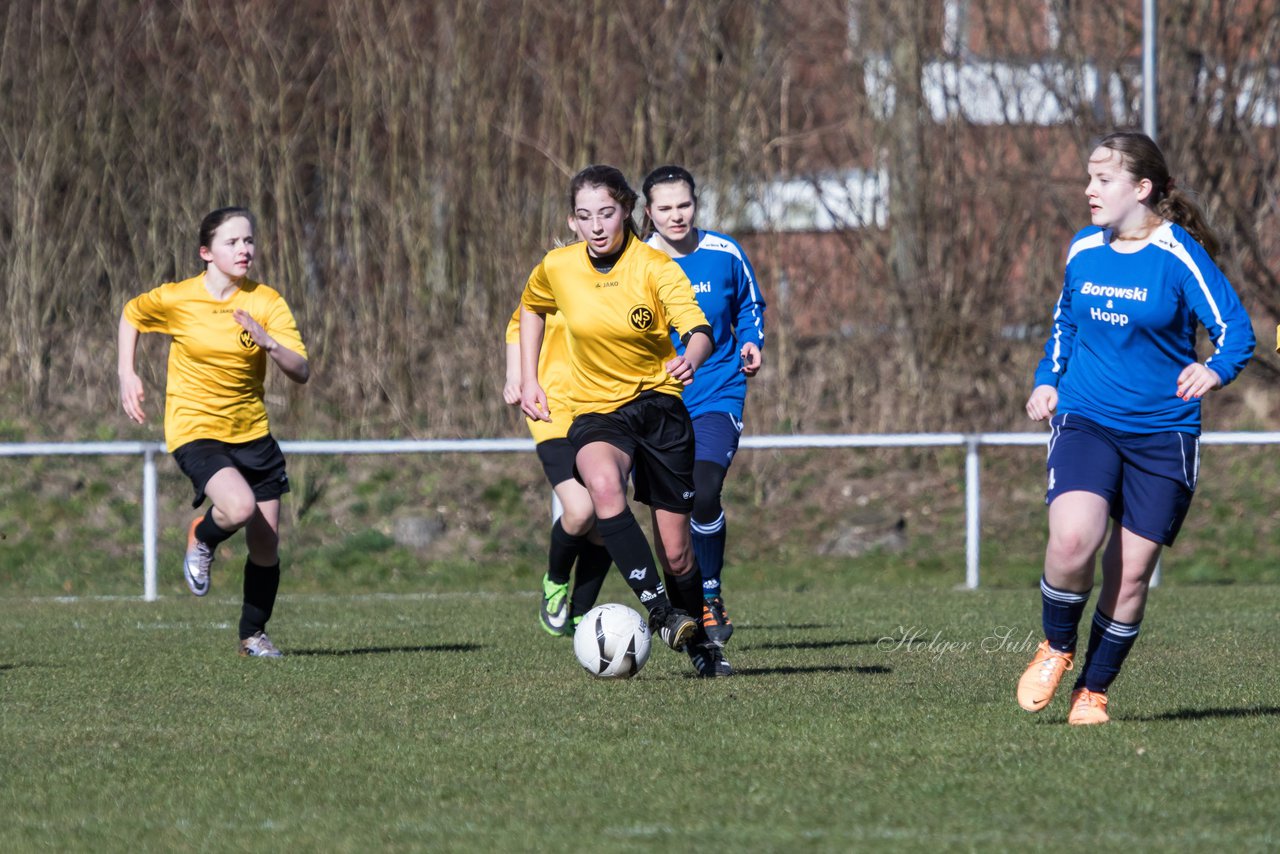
716	436
1147	478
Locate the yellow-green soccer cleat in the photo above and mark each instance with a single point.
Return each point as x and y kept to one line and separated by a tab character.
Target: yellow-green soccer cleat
553	613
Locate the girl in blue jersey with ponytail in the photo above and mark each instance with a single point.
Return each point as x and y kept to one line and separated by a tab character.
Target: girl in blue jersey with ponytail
1120	384
729	294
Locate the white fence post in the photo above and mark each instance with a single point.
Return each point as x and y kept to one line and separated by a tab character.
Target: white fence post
149	513
972	512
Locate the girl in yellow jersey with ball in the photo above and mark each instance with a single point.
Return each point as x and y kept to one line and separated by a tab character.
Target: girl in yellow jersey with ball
619	299
225	329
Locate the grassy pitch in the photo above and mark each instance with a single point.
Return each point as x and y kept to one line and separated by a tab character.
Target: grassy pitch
860	718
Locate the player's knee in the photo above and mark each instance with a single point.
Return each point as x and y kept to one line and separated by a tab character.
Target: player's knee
606	488
577	521
237	510
1071	545
708	479
706	509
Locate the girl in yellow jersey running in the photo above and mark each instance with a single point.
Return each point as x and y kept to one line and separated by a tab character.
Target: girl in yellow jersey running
574	544
618	299
225	328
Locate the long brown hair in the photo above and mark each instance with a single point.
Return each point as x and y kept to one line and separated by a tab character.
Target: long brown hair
1142	158
614	183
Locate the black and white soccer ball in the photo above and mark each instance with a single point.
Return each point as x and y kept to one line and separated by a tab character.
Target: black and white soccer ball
612	642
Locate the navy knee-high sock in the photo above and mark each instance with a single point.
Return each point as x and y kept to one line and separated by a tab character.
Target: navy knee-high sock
1060	613
629	549
708	548
1109	644
260	586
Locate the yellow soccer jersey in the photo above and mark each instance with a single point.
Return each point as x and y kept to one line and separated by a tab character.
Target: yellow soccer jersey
553	376
619	322
214	387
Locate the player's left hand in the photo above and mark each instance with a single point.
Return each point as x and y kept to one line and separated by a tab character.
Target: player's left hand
752	358
255	330
1197	380
681	369
533	402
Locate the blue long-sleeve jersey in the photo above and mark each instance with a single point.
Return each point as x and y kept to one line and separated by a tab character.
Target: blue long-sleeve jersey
729	295
1125	327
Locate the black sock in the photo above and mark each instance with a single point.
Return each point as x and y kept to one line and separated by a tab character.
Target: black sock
685	592
562	553
260	585
208	531
589	576
629	549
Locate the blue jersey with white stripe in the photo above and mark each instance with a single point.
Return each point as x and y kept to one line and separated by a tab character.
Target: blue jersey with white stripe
1125	327
729	295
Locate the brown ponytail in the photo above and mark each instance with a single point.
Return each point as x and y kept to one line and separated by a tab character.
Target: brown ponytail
1143	159
1177	206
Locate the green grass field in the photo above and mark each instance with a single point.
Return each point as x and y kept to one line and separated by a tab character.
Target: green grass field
860	718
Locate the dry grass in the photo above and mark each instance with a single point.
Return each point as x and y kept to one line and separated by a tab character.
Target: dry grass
408	161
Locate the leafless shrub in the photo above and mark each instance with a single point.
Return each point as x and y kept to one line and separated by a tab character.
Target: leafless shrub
408	164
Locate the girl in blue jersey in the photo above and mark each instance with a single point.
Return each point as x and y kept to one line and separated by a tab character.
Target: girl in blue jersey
729	294
1120	384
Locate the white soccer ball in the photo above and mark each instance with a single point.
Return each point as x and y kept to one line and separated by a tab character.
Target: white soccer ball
612	642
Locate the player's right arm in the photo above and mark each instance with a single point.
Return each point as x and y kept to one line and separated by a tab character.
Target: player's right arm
511	386
533	400
1042	403
132	393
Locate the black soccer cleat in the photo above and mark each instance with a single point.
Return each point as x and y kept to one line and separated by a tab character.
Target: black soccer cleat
715	622
708	659
675	627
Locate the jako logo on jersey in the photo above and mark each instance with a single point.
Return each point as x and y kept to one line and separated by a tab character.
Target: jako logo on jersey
246	340
641	318
637	574
611	284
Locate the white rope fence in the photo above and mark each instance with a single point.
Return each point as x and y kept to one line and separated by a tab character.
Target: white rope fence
971	442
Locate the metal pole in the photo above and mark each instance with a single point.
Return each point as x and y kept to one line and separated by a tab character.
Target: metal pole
1149	123
972	511
149	525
